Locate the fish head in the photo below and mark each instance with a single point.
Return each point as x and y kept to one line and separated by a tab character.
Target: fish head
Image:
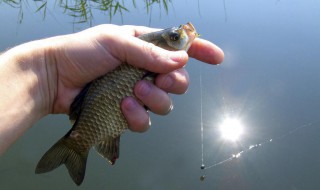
179	38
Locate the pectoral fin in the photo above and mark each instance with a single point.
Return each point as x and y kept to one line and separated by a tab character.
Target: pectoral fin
109	149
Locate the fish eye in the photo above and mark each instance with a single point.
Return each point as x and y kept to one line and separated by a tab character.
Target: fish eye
174	36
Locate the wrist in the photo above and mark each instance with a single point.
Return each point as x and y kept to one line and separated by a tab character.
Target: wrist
29	74
25	96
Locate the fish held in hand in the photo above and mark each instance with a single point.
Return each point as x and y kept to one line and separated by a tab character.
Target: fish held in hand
96	115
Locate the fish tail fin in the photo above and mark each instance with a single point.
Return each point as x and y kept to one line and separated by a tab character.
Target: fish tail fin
61	153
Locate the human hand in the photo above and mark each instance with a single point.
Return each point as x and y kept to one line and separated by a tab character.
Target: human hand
79	58
44	76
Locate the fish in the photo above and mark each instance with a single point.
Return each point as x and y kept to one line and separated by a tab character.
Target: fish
95	114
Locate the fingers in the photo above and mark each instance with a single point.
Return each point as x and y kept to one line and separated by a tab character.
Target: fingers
150	57
125	47
136	116
201	49
206	51
155	97
157	100
175	82
172	77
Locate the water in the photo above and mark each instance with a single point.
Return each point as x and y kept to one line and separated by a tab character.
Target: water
269	78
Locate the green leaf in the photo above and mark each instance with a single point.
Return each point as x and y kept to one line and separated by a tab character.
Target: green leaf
123	8
43	5
116	8
165	5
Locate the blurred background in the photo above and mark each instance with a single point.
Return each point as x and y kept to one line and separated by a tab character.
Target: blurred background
268	85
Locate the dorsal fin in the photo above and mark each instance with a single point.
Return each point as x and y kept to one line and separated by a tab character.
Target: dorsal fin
109	149
75	107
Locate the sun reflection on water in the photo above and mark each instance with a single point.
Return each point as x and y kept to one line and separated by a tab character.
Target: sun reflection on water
231	129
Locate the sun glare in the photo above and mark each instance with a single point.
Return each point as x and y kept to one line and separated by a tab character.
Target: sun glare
231	129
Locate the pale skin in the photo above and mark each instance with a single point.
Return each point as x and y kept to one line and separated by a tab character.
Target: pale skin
43	77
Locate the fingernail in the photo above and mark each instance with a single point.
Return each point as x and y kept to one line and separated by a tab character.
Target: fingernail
170	109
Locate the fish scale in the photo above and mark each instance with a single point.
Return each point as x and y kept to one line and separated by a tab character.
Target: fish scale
96	114
105	106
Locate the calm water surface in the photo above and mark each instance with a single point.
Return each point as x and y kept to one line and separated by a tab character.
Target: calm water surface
269	79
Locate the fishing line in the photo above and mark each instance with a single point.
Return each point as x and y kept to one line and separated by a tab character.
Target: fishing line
255	146
201	117
202	178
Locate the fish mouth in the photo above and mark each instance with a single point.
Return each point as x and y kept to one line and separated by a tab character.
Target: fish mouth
189	26
190	29
190	32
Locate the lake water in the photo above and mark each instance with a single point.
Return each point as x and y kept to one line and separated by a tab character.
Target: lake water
269	79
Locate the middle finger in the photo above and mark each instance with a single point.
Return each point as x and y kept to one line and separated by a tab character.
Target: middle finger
157	100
